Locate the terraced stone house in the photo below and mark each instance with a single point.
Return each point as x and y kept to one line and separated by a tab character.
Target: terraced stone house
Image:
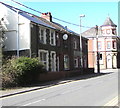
57	47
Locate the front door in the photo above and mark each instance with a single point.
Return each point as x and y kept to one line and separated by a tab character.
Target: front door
109	62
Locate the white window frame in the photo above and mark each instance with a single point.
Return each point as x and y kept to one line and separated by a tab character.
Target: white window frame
47	62
108	44
99	45
65	63
53	69
107	31
58	40
44	35
54	40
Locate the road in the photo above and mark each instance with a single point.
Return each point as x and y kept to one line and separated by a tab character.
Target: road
95	91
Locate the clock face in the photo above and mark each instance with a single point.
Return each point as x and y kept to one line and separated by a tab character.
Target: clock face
65	37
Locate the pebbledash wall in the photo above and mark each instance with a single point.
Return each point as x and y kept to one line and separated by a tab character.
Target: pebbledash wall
57	47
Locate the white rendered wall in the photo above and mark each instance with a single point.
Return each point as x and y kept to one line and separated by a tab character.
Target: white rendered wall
10	40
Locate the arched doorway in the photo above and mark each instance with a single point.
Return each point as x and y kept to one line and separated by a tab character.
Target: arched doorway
109	61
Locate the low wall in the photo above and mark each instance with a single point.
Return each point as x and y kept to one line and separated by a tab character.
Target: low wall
63	74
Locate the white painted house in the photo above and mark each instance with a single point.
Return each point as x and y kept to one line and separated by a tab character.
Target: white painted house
21	33
19	28
14	25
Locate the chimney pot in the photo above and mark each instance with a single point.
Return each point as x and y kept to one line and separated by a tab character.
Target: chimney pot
47	16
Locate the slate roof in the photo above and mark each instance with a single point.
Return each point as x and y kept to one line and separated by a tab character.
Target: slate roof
58	26
28	16
92	31
35	20
109	22
40	20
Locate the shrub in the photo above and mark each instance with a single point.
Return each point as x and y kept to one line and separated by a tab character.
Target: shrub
21	71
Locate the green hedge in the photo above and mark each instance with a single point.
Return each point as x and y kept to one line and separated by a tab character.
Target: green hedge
21	71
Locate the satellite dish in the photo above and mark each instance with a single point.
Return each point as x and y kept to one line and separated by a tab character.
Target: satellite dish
65	37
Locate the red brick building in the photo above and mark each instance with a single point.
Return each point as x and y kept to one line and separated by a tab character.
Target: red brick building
105	41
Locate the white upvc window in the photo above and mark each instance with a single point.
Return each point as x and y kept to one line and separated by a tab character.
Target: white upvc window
53	61
66	62
43	54
99	45
108	44
42	35
52	38
76	62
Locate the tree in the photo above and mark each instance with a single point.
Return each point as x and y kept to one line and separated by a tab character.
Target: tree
3	29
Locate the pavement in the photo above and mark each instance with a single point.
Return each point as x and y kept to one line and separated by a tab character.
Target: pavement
14	91
19	90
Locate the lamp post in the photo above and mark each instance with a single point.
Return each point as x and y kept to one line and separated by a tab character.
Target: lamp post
81	16
17	33
98	55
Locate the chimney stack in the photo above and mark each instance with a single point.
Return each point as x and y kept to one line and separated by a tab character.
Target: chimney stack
47	16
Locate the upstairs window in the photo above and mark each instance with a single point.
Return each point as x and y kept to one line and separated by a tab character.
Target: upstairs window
114	44
58	40
42	36
103	31
52	37
108	31
99	45
113	31
75	44
108	45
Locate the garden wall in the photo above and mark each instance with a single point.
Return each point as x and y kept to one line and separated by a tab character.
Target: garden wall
64	74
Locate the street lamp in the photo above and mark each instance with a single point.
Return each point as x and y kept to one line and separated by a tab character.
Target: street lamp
81	16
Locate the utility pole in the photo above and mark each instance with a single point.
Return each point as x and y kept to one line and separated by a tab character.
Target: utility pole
98	55
81	40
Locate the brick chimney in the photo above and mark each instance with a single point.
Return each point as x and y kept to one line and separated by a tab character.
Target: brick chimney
47	16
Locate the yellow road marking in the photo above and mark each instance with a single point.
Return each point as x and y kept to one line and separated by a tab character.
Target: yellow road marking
52	86
113	102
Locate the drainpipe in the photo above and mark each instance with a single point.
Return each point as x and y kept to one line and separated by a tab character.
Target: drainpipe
17	33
